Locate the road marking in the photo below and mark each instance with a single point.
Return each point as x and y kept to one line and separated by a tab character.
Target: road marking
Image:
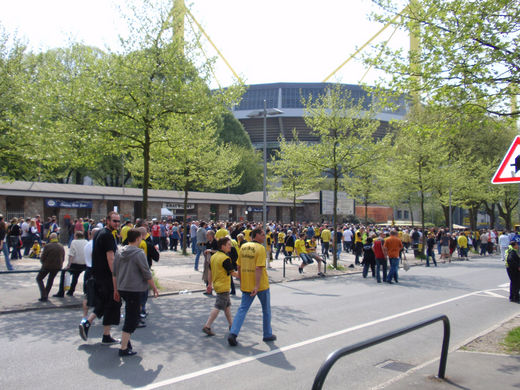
491	294
262	355
504	285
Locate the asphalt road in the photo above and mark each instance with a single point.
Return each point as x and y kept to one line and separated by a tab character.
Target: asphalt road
311	319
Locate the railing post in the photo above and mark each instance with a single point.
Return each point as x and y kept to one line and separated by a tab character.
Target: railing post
323	371
445	345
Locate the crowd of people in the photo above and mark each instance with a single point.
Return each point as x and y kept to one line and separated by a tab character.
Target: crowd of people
117	261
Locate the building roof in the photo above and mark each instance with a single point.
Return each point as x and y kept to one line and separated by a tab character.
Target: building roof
85	192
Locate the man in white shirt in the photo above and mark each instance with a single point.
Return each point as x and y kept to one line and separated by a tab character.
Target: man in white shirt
347	240
503	242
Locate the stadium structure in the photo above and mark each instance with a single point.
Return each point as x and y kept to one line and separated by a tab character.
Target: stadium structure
287	97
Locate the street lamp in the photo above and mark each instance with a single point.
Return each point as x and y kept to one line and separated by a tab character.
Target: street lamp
265	113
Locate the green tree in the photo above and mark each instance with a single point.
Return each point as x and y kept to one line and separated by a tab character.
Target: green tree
15	144
468	54
417	155
194	161
148	84
346	131
249	168
290	168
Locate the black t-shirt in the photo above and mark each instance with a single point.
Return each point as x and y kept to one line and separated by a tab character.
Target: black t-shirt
103	243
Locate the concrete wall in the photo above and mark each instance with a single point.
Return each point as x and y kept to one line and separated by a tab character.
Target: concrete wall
127	209
203	212
154	210
3	206
33	207
222	212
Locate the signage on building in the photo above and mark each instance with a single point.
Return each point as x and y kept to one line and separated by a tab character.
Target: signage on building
68	204
252	209
178	206
509	169
345	205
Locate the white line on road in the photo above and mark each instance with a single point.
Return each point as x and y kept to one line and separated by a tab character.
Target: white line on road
259	356
492	294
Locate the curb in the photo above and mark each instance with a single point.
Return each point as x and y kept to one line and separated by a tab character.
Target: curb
171	293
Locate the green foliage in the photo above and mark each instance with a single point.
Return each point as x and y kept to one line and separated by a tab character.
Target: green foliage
512	340
346	131
292	170
468	54
249	168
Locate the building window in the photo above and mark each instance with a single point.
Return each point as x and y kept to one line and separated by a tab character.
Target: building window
406	214
399	214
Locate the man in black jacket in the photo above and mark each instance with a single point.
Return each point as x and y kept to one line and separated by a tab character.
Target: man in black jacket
513	271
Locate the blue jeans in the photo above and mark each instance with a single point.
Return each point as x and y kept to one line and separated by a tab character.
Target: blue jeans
247	300
194	244
394	267
197	256
430	253
6	255
381	263
279	247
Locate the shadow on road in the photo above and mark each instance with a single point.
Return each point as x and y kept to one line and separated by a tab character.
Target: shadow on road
105	361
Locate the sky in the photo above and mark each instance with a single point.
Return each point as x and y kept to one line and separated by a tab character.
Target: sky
264	41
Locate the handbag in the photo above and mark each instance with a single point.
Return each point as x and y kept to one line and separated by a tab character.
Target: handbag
406	266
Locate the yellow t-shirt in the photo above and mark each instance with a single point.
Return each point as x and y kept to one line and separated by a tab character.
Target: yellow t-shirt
462	241
299	246
310	246
358	237
325	235
247	234
252	255
144	247
281	237
316	232
221	233
219	275
124	232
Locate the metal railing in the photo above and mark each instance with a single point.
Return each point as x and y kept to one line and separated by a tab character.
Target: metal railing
338	354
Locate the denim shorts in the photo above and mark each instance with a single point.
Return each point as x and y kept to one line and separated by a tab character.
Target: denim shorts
223	301
306	259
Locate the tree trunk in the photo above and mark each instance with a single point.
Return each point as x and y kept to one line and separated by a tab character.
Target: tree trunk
446	211
366	211
335	211
146	173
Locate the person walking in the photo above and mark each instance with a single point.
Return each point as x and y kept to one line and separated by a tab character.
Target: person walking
52	259
107	302
222	270
3	243
76	264
201	243
381	262
253	282
132	276
391	249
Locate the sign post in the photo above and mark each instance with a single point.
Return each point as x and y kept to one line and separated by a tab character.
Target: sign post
509	169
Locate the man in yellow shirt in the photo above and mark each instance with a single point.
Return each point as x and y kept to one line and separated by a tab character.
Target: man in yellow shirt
463	245
325	241
253	282
221	232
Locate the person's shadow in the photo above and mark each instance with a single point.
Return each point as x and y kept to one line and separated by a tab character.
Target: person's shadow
106	362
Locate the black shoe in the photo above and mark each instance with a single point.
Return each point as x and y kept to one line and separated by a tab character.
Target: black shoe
208	331
232	340
70	293
321	274
43	299
270	338
300	270
58	295
141	324
84	326
127	352
107	339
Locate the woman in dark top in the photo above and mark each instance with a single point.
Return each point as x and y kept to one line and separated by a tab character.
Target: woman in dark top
13	235
3	243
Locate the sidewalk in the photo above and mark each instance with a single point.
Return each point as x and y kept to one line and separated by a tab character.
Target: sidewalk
174	272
